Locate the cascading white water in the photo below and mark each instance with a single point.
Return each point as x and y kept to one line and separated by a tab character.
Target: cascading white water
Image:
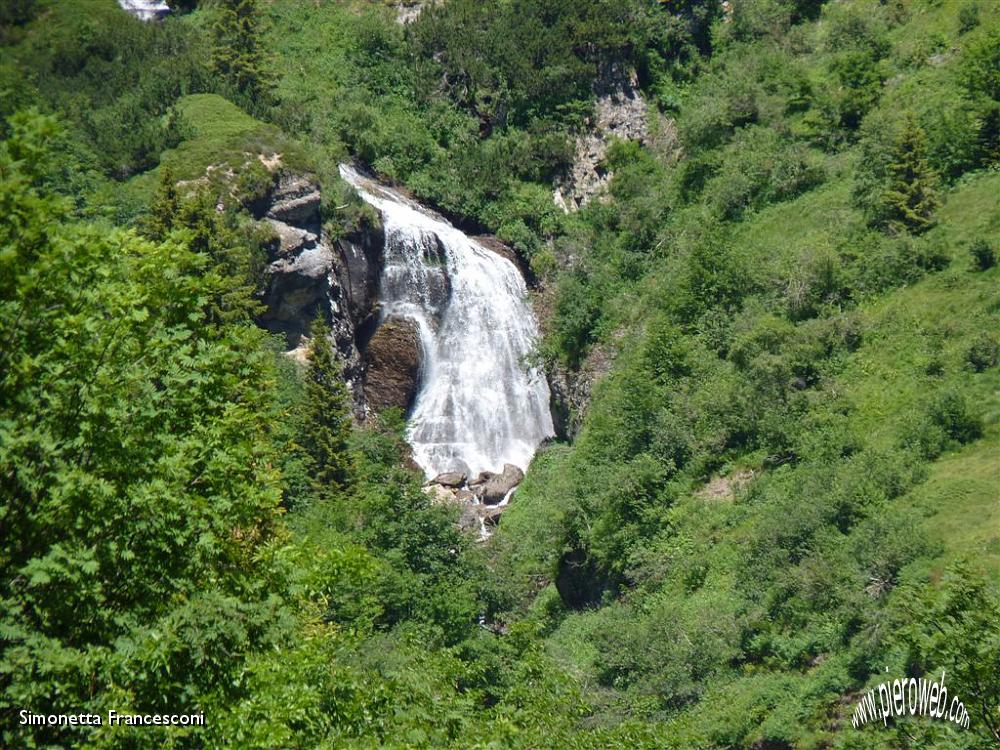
145	10
480	404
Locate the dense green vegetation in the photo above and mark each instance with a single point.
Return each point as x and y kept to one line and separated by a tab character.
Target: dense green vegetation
787	484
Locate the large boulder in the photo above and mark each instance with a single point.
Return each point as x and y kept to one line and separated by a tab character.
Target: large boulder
481	478
450	479
497	486
394	356
439	495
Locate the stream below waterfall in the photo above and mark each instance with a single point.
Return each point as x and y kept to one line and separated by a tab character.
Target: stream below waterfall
480	404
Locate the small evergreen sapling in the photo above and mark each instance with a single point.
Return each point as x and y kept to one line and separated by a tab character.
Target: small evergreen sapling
910	198
328	415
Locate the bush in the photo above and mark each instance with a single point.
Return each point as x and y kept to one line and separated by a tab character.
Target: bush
758	168
950	412
17	11
954	145
983	354
968	18
983	255
980	65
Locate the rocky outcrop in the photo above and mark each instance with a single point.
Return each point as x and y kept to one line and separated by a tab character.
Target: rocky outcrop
296	201
571	389
308	275
619	112
408	11
480	518
393	359
481	500
301	262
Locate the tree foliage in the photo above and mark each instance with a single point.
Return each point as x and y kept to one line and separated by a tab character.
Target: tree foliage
239	55
910	197
327	427
138	490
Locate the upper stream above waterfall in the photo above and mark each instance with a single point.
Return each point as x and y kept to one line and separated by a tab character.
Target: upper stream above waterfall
145	10
479	404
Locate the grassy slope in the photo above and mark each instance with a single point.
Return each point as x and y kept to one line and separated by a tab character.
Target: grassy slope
219	134
885	380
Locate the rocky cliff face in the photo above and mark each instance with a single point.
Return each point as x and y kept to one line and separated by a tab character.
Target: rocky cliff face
407	11
619	112
310	275
571	389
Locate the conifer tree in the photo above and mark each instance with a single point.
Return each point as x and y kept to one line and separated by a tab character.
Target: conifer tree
165	207
328	415
239	55
910	198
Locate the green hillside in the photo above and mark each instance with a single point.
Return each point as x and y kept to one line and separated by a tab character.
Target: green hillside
783	490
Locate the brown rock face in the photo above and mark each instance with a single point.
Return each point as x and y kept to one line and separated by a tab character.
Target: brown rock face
394	357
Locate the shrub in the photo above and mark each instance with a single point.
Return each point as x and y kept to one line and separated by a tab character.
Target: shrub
968	18
860	83
983	354
983	255
931	255
758	168
17	11
954	145
950	412
816	280
980	65
724	102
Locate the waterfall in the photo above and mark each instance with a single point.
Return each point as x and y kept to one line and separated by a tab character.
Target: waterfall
480	403
145	10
